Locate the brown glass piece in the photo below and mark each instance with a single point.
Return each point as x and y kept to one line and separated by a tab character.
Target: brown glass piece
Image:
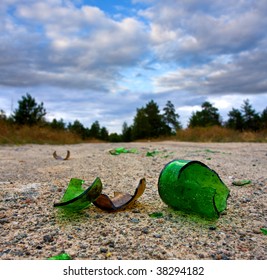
61	158
120	200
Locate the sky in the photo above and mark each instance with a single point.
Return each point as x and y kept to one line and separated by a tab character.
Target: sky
101	60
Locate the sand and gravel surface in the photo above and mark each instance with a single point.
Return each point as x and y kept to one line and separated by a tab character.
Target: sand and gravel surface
31	181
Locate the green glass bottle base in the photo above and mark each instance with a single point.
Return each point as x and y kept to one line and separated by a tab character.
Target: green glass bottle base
193	187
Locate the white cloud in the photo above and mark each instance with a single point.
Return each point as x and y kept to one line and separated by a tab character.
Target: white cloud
62	45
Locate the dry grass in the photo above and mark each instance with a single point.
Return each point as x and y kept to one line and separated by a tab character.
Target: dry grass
219	134
13	134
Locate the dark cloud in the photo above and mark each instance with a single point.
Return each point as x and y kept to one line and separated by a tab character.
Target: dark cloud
194	32
243	74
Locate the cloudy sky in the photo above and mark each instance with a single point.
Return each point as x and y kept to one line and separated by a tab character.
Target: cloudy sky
100	60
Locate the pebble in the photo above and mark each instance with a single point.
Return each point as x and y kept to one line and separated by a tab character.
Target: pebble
145	230
134	220
48	238
212	228
111	244
4	221
103	250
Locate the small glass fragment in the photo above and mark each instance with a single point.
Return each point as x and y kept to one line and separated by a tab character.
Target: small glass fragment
122	150
152	154
241	182
211	151
264	231
193	187
156	215
62	256
76	197
61	158
120	200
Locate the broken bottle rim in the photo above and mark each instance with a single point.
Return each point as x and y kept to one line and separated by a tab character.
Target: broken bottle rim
57	157
120	200
192	187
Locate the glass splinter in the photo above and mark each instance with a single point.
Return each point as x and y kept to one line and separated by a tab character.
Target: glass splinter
192	187
241	182
120	200
122	150
62	256
61	158
76	197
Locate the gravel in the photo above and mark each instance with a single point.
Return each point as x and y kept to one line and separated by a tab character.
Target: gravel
31	180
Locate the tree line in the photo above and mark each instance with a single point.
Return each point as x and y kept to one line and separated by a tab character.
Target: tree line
148	122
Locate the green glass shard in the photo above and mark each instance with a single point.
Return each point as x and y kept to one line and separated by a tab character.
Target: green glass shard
211	151
122	150
76	197
193	187
156	152
152	154
62	256
264	231
156	215
241	182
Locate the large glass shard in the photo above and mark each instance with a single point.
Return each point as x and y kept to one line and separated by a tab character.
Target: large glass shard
120	200
76	197
193	187
61	158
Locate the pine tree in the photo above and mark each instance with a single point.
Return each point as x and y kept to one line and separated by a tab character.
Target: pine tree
251	118
126	132
95	130
77	128
29	112
171	118
148	122
208	116
141	126
235	120
264	119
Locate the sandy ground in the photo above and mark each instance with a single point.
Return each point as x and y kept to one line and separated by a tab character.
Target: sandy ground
31	180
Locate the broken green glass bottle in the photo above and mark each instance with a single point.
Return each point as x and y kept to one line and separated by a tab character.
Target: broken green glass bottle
76	197
192	187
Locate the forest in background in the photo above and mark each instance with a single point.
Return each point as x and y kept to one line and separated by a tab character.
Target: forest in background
27	124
